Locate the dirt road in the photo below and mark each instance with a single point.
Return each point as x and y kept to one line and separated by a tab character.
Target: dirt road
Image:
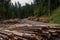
36	23
26	21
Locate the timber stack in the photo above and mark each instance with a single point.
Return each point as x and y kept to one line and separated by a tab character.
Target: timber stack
40	19
10	21
32	33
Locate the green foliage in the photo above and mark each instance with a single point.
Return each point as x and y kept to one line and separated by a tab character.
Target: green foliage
40	8
4	8
55	16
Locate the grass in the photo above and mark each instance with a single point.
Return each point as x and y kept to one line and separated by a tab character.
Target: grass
55	16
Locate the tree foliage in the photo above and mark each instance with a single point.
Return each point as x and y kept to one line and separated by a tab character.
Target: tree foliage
38	8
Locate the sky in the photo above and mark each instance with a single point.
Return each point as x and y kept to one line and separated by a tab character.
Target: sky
22	2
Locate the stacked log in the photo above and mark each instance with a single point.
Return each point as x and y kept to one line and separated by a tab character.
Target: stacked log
31	33
13	21
6	35
41	19
31	18
36	19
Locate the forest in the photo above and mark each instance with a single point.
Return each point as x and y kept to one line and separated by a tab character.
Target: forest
40	8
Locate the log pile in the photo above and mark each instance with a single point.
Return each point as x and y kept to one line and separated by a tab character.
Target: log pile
32	33
41	19
11	21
